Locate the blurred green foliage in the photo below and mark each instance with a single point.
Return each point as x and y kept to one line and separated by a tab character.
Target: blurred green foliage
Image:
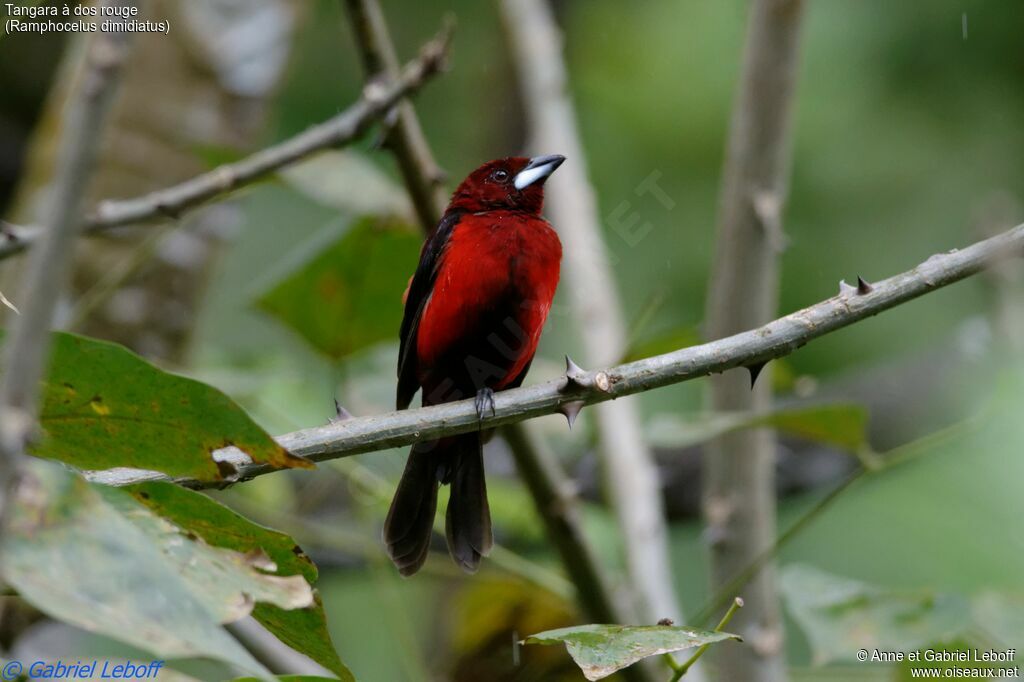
343	296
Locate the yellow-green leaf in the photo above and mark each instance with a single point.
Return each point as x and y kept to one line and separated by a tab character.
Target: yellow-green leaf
600	650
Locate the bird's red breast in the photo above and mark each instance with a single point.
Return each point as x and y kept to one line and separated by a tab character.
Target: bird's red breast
476	305
494	258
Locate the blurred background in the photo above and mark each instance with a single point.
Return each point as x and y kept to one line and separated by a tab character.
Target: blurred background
907	141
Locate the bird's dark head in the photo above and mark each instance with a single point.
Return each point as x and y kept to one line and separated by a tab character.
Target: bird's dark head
515	183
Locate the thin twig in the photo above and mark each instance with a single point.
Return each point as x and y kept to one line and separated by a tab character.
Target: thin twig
377	99
551	494
629	467
404	136
739	480
679	671
27	347
773	340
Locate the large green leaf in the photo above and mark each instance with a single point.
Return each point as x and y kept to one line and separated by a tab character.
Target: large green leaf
600	650
840	616
93	557
304	630
842	425
104	407
344	294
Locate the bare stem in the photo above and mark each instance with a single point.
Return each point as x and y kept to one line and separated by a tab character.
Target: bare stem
559	508
679	671
739	468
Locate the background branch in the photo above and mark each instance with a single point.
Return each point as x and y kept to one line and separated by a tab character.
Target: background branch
739	479
630	473
377	99
773	340
26	349
554	496
404	136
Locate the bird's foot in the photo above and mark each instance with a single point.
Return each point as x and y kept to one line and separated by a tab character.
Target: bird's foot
484	402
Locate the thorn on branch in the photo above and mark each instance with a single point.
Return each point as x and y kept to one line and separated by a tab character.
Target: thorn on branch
571	410
573	374
577	377
340	413
863	286
165	209
755	371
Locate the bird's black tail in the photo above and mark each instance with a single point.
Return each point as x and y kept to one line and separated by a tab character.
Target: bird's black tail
457	460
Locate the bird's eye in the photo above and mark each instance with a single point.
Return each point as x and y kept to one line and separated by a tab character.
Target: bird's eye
499	175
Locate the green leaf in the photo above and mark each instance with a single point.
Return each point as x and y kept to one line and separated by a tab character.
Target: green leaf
291	678
842	425
305	629
104	407
91	556
600	650
346	294
839	616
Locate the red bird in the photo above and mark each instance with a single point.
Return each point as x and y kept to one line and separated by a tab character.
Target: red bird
473	316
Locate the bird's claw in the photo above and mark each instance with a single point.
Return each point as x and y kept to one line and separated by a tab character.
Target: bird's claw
484	402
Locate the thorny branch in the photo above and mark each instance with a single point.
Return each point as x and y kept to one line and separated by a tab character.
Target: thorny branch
770	341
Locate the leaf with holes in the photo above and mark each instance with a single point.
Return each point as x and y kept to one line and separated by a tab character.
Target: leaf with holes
104	407
303	629
94	557
345	294
600	650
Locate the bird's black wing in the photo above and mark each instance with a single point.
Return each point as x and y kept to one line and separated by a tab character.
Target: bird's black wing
419	293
